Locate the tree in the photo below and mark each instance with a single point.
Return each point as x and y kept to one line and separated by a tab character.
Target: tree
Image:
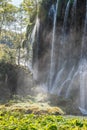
19	30
7	14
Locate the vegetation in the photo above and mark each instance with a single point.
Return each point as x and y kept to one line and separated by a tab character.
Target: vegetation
18	120
28	114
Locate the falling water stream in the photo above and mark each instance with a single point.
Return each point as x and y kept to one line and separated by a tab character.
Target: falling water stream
83	83
83	67
76	73
58	78
67	80
35	34
60	72
52	66
65	21
74	11
70	85
35	29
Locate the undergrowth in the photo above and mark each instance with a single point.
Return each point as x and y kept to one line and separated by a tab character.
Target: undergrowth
15	120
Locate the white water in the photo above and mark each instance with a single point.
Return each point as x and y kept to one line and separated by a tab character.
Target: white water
35	29
58	77
52	10
66	19
70	86
83	111
83	83
52	66
74	11
83	67
57	80
35	34
67	80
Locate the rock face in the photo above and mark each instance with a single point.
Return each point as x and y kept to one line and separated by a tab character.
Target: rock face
67	50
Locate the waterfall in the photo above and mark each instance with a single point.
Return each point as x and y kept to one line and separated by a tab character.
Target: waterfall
83	83
70	85
52	65
61	71
67	70
35	29
57	80
74	12
35	34
58	77
52	12
67	80
65	21
83	67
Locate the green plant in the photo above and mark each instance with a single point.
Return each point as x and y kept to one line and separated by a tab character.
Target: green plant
19	120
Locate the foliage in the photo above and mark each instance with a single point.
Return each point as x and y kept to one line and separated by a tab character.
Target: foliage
31	8
15	120
7	14
7	54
